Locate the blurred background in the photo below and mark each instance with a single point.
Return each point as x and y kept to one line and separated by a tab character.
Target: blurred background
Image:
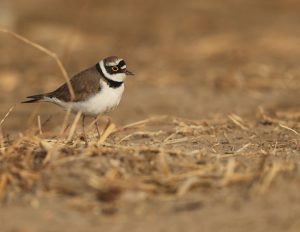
192	58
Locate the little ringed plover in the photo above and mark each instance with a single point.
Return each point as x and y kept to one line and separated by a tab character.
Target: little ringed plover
97	89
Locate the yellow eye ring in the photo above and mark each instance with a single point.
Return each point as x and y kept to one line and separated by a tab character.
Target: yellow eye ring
115	68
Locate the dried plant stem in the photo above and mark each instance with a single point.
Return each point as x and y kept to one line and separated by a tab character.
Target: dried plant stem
39	124
142	122
46	51
6	115
65	123
238	121
288	128
266	182
3	183
1	123
2	143
74	125
186	186
107	132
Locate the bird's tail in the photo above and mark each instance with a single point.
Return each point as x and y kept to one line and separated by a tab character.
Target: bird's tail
34	98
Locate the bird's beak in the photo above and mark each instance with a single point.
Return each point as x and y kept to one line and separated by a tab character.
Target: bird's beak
127	72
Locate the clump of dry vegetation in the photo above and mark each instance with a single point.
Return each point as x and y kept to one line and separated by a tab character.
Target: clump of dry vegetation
160	157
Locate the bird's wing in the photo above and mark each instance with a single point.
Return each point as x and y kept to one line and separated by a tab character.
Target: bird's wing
85	84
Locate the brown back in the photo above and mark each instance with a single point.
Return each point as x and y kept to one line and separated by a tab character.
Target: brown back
85	84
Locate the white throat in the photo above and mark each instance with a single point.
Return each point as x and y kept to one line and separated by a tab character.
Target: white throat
119	77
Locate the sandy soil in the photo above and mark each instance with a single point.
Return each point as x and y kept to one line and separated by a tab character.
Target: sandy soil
216	93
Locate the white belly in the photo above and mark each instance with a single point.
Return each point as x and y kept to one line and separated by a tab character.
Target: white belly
104	101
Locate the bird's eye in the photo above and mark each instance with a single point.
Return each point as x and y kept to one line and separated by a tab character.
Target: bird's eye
114	68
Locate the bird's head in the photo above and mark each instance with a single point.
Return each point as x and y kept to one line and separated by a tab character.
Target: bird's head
114	68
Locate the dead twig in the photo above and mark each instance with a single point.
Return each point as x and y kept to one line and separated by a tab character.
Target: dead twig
6	115
73	127
238	121
39	124
142	122
107	132
46	51
288	128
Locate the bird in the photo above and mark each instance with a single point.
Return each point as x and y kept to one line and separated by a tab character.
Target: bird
97	89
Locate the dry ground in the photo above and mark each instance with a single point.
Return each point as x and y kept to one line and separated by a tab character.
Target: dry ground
206	136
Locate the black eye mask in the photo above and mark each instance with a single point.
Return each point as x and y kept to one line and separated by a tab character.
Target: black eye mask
121	64
111	83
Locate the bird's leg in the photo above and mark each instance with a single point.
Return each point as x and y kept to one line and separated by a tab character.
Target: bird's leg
83	130
97	126
66	128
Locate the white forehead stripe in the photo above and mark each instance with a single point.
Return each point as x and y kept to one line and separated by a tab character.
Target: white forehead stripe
123	67
113	63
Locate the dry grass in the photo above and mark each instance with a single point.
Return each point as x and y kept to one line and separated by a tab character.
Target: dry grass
160	157
45	51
